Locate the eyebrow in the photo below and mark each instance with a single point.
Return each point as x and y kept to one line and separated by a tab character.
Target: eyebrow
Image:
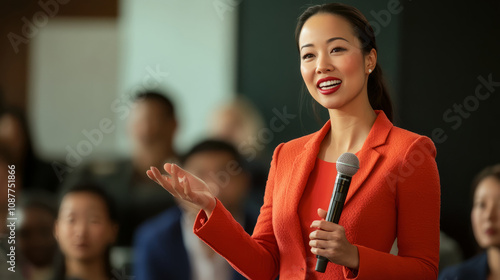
327	41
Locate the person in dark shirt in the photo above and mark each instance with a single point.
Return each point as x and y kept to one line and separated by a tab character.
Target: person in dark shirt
166	248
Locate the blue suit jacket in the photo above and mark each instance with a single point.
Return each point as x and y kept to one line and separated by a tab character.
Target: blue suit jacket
475	268
159	251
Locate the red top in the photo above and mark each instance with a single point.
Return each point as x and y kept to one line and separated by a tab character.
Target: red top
317	194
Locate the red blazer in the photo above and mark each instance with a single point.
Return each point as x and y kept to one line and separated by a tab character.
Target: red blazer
395	193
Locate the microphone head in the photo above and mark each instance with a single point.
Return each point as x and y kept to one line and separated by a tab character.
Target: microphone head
347	164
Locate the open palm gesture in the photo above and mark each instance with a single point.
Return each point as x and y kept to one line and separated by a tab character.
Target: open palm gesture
185	186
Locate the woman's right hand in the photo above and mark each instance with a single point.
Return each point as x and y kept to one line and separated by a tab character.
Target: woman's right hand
185	186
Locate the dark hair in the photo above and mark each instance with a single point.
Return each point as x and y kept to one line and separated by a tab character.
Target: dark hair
113	216
158	97
378	94
29	160
490	171
98	191
213	146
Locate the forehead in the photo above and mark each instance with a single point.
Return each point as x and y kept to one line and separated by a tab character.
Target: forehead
488	187
326	25
150	107
82	202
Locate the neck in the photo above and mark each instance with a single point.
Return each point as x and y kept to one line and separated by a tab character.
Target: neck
494	262
351	124
94	269
349	130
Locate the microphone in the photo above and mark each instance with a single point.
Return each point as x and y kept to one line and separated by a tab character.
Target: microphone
347	166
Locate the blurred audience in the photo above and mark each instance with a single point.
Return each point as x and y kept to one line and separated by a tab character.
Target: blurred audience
85	229
485	217
239	123
151	129
166	247
32	172
35	235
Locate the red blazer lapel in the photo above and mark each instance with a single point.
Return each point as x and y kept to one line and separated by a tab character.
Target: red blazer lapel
368	155
302	166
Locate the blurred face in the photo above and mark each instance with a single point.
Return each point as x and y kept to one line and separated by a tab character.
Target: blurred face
11	135
486	213
219	168
333	65
150	125
230	126
36	239
84	229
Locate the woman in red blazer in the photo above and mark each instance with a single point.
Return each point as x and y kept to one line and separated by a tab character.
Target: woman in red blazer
395	193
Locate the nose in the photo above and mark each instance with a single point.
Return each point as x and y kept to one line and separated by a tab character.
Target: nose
81	229
492	212
324	64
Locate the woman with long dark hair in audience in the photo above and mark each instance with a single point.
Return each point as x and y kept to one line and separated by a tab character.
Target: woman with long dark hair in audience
485	217
33	173
395	193
85	230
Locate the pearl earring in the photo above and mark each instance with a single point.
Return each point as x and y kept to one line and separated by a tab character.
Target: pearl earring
369	70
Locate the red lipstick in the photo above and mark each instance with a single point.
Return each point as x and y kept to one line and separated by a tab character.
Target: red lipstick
491	231
328	85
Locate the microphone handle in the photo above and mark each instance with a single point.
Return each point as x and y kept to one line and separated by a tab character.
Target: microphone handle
342	183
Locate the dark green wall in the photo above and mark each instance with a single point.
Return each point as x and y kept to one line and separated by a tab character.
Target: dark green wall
445	47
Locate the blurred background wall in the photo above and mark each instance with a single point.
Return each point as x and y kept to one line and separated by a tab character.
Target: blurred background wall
80	66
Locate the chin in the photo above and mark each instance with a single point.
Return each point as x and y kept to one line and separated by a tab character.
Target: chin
331	104
488	243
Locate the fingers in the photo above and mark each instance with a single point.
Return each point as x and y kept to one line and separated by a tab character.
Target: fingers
322	213
162	180
176	184
151	175
326	225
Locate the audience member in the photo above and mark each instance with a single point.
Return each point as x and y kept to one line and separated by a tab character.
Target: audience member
151	129
166	247
35	235
85	230
485	217
239	122
32	172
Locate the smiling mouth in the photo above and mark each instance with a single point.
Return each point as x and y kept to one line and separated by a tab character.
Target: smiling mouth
329	84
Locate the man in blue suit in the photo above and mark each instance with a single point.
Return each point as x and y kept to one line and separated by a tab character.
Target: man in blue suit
165	247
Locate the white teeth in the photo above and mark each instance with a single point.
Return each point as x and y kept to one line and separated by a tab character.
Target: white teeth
329	83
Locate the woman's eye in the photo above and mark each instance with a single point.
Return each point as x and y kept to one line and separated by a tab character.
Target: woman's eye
480	204
338	49
307	56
